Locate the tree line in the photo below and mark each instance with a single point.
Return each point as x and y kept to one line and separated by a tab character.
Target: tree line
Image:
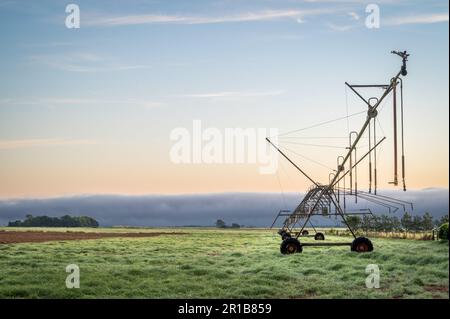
220	223
46	221
388	223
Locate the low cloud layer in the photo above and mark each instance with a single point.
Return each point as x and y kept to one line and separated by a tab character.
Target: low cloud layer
251	209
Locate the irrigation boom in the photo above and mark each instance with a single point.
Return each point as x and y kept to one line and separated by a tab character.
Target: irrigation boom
320	198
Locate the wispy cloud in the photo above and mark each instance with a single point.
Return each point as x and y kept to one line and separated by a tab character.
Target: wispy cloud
83	63
417	19
339	28
265	15
32	143
71	101
354	15
235	94
354	1
6	3
53	44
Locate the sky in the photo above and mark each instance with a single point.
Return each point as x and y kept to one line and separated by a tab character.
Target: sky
91	110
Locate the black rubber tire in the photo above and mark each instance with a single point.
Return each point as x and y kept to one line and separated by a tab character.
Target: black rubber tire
319	236
305	232
362	245
286	236
290	246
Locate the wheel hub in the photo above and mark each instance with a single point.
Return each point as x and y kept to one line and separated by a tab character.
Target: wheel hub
362	247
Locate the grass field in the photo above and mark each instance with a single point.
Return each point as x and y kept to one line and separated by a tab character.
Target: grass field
208	263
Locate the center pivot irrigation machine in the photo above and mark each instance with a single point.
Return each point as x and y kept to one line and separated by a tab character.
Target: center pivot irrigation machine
329	199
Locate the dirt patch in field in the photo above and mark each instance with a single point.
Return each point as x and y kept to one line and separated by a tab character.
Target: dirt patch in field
11	237
436	288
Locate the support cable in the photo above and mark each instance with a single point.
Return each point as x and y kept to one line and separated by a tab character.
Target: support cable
403	137
375	155
314	145
370	160
281	189
394	109
307	158
320	124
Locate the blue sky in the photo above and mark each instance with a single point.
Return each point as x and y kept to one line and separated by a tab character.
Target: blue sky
90	110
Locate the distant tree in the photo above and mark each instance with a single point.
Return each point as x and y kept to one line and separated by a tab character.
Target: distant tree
85	221
377	224
68	221
46	221
406	221
386	223
234	225
443	220
220	224
427	221
14	223
395	222
417	223
443	231
354	222
367	223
